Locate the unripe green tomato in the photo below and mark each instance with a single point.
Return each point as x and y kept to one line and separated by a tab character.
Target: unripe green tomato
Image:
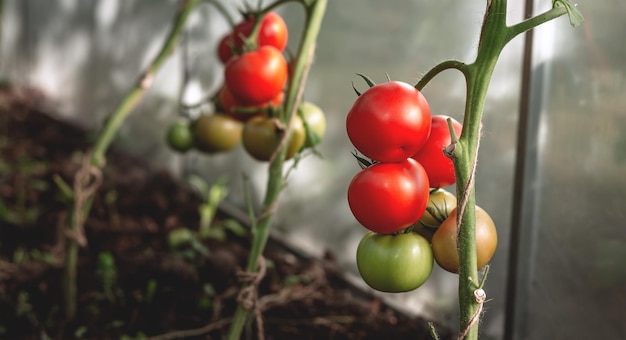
179	136
440	205
262	135
217	133
394	263
315	120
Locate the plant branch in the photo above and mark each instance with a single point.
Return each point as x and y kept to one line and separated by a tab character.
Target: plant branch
445	65
97	159
494	36
144	82
314	14
535	21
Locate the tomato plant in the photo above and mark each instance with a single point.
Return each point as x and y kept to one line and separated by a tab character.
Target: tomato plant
388	197
315	123
438	166
440	205
389	122
217	133
261	137
256	77
273	32
179	136
445	245
394	263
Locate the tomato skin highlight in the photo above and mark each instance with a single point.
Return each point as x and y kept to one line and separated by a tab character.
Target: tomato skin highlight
438	166
394	263
445	245
256	77
388	197
389	122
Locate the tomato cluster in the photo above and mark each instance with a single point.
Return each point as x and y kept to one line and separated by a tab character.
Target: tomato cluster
403	146
250	101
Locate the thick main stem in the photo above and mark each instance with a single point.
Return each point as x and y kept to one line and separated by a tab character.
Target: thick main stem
260	232
104	140
492	41
494	36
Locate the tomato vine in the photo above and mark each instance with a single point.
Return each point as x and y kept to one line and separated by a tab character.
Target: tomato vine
494	36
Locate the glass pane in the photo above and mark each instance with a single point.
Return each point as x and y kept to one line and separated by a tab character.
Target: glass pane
578	279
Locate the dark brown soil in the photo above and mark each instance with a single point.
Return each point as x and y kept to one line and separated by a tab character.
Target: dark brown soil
131	282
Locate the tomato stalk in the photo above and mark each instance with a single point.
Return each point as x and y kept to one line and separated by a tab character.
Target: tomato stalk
495	34
97	158
315	10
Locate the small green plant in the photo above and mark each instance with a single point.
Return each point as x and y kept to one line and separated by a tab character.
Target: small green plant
106	272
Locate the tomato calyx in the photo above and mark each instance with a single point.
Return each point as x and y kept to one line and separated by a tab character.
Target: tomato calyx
363	162
367	80
438	213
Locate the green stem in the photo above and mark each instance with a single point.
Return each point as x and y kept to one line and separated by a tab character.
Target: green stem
495	34
448	64
104	140
314	14
144	82
535	21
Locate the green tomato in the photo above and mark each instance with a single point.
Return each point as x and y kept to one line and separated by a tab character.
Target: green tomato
217	133
394	263
314	121
179	136
440	205
262	135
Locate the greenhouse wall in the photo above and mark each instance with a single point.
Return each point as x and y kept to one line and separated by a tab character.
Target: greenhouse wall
559	197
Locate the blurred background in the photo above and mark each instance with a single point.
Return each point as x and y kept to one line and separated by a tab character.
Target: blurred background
552	164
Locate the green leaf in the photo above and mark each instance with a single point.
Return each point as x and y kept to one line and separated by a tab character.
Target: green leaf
575	17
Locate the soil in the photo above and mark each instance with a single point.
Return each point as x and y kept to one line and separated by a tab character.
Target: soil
132	282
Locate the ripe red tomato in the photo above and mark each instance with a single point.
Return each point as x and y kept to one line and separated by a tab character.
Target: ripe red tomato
388	197
394	263
445	246
273	32
439	168
225	48
256	77
389	122
229	105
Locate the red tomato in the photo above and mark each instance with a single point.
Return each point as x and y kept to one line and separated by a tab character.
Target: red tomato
388	197
389	122
273	32
439	168
225	48
229	105
256	77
